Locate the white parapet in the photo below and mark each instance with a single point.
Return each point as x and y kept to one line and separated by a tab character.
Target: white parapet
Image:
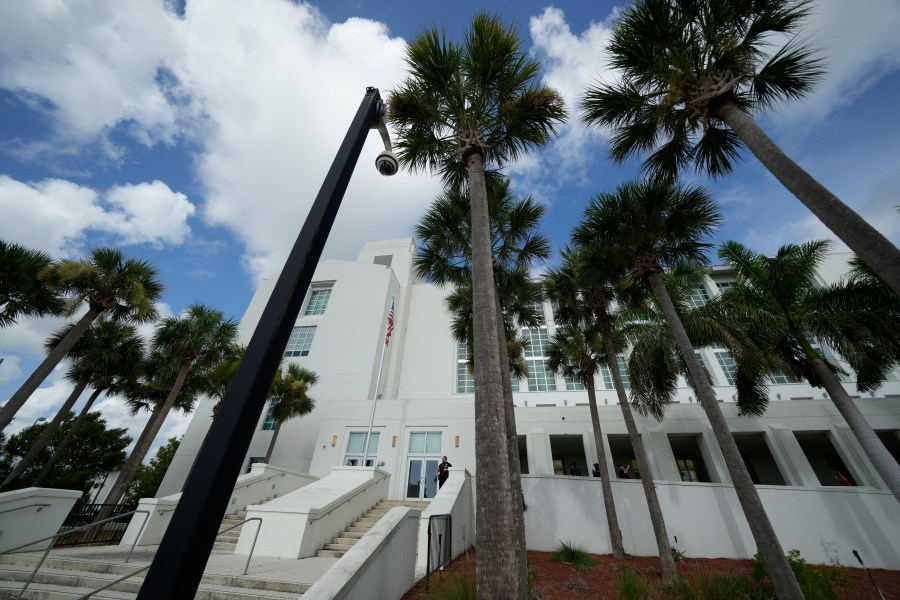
31	514
705	520
379	565
298	524
455	498
262	482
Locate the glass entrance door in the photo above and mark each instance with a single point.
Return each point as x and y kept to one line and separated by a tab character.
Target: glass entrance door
424	458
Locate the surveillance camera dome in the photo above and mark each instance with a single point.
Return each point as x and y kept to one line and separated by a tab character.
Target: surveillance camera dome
387	163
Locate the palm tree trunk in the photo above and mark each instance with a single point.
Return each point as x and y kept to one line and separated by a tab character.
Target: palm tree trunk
67	439
667	561
871	246
272	443
146	438
44	369
612	519
496	563
767	544
512	448
881	459
48	432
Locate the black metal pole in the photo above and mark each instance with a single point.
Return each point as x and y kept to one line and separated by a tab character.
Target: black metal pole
182	555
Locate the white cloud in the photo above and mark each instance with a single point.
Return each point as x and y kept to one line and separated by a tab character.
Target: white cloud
93	65
56	215
859	44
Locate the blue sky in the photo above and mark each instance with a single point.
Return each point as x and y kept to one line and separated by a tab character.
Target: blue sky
195	135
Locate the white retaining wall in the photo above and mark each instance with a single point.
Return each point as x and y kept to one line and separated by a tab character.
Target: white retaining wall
456	499
825	524
263	481
379	565
31	514
298	524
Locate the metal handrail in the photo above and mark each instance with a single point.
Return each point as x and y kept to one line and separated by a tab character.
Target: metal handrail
253	547
67	532
41	507
119	580
369	484
249	483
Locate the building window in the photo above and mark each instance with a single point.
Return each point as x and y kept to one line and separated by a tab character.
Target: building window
269	421
724	285
318	301
698	297
539	379
573	384
537	340
728	366
779	377
514	382
465	382
300	341
607	375
538	308
702	362
355	443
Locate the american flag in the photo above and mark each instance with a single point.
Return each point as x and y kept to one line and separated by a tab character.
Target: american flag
390	326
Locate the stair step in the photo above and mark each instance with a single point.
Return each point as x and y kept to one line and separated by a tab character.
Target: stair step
330	553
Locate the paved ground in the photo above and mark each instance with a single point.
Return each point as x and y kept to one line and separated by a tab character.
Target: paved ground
304	570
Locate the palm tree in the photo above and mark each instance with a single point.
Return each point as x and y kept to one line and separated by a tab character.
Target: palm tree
106	349
647	227
462	107
112	359
576	351
289	398
584	290
221	375
23	291
120	289
780	296
444	257
693	74
202	335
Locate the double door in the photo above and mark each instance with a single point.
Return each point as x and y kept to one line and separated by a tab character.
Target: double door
424	458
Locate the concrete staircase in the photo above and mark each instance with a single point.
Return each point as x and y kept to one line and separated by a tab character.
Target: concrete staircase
68	579
228	541
343	542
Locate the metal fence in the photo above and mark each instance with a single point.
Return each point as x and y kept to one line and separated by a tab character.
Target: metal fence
108	533
440	542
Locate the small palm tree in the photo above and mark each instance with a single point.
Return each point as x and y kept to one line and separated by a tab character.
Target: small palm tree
202	336
289	398
646	227
779	296
585	290
120	289
693	74
105	348
23	291
221	375
576	351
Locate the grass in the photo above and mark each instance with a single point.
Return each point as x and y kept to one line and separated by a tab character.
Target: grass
569	552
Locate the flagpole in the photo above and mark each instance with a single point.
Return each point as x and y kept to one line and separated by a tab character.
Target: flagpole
375	395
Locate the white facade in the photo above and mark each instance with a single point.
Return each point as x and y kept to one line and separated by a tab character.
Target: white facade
425	410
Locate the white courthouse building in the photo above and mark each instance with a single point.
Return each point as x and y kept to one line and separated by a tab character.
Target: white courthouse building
425	410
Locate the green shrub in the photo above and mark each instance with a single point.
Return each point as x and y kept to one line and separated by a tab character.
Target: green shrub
633	585
677	554
816	581
568	552
454	586
712	587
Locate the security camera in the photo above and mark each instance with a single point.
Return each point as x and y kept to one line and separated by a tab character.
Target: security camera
387	164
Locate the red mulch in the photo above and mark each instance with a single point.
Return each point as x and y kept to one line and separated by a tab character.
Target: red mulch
560	581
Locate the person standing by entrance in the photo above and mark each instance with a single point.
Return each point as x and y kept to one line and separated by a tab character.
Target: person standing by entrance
443	471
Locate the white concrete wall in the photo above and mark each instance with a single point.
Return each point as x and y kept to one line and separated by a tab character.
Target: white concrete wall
31	513
380	564
825	524
299	523
455	498
262	482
